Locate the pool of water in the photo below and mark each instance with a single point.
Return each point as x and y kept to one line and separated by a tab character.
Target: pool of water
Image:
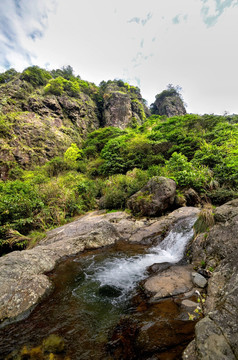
91	293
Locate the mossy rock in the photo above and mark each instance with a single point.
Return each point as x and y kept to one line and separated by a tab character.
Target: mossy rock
53	344
156	197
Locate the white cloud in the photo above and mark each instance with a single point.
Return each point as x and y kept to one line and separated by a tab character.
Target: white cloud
150	43
22	22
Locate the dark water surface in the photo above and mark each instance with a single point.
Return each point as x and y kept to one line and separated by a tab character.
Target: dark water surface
76	310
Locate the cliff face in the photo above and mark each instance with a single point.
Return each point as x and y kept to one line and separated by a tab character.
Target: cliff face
35	127
170	106
41	115
169	103
123	105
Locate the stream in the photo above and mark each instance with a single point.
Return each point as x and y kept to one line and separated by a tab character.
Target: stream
92	291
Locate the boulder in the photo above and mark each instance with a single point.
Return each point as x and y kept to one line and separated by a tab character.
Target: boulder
173	281
156	197
192	198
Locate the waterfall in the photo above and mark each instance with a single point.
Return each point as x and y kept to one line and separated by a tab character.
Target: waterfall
124	273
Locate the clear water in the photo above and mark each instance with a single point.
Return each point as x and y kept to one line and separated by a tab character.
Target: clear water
78	310
125	272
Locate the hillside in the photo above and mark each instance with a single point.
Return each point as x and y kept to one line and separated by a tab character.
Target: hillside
43	112
68	146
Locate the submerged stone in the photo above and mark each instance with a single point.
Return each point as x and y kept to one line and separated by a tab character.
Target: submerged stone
109	291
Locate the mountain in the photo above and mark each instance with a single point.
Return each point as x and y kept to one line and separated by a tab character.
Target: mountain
43	112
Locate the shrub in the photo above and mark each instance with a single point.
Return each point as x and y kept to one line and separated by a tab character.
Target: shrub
205	220
119	188
55	86
72	155
7	76
221	195
56	166
60	85
36	76
5	126
19	203
100	137
186	174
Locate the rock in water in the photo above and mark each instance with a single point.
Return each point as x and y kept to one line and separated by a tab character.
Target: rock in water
109	291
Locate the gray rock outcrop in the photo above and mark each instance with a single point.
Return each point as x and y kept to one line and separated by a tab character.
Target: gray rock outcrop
216	334
154	198
169	103
123	106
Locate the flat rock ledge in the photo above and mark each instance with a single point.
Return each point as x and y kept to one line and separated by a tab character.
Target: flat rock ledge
171	282
22	273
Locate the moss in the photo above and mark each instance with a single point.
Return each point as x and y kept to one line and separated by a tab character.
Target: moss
54	344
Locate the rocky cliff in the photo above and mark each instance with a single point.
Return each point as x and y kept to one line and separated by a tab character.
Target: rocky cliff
123	105
40	116
36	127
169	103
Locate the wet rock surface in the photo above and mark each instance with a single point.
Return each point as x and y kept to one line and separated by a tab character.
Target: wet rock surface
157	329
22	274
173	281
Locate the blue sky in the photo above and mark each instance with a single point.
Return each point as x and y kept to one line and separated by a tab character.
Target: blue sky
191	43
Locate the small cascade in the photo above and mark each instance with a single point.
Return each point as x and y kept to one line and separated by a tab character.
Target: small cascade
123	273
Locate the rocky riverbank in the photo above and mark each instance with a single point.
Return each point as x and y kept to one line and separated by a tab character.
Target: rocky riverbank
216	335
22	273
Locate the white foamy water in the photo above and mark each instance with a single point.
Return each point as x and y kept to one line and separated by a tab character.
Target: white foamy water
124	273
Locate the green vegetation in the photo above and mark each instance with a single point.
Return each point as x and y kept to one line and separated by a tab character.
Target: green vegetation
101	168
36	76
7	76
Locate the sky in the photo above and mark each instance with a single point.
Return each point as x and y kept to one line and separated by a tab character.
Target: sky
150	44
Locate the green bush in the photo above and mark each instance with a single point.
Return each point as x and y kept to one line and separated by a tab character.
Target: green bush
72	155
5	126
99	138
56	166
126	152
186	174
19	203
118	188
36	76
55	86
60	85
221	195
7	76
